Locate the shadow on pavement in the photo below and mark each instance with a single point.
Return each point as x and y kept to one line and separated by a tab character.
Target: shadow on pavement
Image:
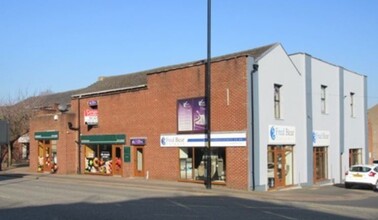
191	207
7	176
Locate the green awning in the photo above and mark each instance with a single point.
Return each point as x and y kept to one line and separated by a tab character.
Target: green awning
46	135
103	139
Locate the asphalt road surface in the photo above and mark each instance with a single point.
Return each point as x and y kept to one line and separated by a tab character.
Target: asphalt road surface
56	197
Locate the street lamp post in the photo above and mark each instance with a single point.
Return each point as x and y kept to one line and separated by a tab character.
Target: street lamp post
208	101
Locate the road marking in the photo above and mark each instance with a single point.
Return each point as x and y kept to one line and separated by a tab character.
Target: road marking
282	216
179	204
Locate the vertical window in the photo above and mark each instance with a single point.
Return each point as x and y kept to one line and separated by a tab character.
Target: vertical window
352	104
323	101
277	101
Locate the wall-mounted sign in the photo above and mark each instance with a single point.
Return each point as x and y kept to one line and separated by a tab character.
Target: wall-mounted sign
138	141
93	103
46	135
320	138
191	115
232	139
126	154
281	134
91	116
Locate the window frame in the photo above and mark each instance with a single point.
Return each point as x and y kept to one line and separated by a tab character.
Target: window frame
323	99
277	101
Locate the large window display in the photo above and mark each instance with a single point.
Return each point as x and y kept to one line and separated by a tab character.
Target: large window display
98	159
193	164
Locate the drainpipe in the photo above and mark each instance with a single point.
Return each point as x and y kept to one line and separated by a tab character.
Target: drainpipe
78	136
78	142
255	69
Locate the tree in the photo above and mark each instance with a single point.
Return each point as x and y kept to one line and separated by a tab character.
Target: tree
17	112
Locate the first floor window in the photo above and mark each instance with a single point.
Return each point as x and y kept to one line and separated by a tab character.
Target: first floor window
277	101
320	163
193	164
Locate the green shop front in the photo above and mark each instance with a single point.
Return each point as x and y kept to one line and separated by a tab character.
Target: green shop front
103	154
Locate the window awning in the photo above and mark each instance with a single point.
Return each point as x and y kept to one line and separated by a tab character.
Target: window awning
103	139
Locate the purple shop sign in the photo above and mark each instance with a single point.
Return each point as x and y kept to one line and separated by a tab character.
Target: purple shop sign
92	103
191	114
138	141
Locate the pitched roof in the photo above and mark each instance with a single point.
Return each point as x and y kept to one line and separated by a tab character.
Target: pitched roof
111	83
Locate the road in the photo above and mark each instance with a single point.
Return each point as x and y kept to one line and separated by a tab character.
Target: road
41	196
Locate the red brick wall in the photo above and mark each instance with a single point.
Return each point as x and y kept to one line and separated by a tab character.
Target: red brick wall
151	112
66	146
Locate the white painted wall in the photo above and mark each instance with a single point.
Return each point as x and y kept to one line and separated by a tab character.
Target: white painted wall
277	68
354	127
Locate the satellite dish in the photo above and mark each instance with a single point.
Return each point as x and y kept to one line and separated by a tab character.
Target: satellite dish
62	107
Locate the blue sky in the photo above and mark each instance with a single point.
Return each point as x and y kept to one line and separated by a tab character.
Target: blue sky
61	45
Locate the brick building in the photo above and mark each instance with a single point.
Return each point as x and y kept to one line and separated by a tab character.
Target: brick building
151	124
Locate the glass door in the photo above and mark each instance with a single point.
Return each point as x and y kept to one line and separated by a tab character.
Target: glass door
117	160
138	162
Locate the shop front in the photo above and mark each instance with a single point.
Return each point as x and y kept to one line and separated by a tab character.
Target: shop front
193	155
47	150
280	156
103	154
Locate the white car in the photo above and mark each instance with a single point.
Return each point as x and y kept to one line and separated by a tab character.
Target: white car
362	175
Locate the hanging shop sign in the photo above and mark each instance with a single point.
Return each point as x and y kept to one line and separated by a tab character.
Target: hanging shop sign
138	141
191	115
321	138
238	139
281	134
91	116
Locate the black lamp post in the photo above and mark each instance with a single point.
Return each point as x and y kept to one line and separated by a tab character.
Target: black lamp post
207	96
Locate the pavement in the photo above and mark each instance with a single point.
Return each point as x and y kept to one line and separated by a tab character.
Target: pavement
318	193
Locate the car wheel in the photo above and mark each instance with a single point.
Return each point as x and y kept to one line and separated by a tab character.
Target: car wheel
375	187
348	185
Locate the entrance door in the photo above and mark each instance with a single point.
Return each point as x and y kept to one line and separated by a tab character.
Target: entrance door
280	170
117	160
47	156
138	162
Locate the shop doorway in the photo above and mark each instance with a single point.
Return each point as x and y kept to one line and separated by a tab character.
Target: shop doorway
320	164
139	162
47	156
117	160
280	166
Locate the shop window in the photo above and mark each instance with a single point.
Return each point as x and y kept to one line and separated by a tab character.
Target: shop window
98	159
54	157
193	164
320	163
355	156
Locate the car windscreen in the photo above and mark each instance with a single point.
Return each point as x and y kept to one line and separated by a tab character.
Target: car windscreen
360	169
